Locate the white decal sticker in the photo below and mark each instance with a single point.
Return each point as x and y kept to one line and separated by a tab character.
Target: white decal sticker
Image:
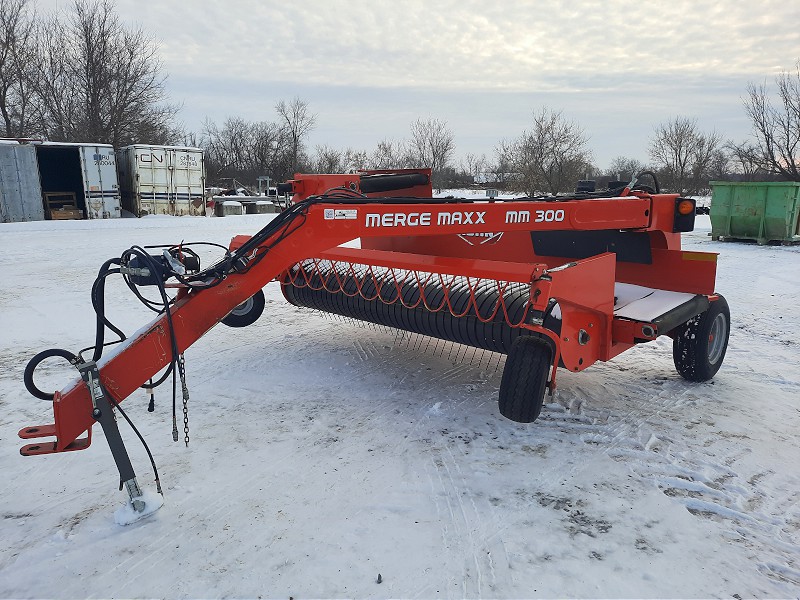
479	239
399	220
549	216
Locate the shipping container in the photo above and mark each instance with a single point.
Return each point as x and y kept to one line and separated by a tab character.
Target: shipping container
20	190
162	180
764	211
78	180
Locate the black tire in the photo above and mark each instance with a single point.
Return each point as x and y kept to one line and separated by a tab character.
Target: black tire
699	346
247	312
524	379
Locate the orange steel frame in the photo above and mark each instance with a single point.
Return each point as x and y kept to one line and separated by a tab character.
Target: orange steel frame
584	288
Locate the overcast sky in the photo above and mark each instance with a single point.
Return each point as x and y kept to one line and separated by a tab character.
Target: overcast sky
368	68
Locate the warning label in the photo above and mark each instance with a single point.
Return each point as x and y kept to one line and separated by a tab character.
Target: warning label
332	214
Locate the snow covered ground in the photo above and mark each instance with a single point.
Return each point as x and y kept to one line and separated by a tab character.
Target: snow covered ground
323	454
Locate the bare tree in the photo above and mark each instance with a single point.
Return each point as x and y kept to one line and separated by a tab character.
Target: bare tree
299	122
17	67
473	165
100	81
777	128
431	145
268	154
245	150
719	165
502	167
624	169
328	160
746	160
389	154
354	160
550	157
223	147
684	155
332	160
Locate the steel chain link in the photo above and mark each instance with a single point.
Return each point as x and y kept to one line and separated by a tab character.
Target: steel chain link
185	390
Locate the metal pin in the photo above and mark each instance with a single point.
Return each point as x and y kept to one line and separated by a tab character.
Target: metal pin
466	350
453	346
459	347
419	341
497	366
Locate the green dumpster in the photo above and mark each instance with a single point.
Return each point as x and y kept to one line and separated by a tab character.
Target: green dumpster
764	211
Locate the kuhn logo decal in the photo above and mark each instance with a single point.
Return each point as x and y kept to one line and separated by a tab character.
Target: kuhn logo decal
481	239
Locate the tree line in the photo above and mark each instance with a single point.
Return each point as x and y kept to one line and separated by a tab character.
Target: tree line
82	75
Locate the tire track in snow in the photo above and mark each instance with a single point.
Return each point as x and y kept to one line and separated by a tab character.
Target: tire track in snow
461	515
178	530
651	438
456	507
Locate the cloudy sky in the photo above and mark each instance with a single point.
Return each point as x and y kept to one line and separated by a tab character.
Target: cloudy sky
368	68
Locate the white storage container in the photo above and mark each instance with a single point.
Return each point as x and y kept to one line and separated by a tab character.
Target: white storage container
80	179
162	180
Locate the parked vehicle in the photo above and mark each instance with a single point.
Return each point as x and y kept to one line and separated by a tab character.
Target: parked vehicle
162	180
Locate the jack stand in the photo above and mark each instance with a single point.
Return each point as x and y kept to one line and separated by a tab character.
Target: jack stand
103	413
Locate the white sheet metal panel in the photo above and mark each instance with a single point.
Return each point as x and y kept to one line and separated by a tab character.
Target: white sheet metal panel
188	179
645	304
20	188
101	188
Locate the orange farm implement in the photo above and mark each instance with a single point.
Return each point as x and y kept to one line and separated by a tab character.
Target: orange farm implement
557	281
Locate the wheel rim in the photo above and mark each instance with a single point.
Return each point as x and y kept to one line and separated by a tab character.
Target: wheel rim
716	338
243	308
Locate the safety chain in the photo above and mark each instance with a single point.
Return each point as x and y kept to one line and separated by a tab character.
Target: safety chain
185	390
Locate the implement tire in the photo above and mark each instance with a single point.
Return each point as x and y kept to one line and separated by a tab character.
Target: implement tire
699	345
247	312
522	387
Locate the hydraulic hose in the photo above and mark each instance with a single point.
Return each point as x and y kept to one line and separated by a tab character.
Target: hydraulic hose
35	361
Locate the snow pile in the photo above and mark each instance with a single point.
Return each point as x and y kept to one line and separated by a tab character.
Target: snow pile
322	454
126	514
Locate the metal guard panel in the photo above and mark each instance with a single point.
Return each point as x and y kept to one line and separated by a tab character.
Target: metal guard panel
629	246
